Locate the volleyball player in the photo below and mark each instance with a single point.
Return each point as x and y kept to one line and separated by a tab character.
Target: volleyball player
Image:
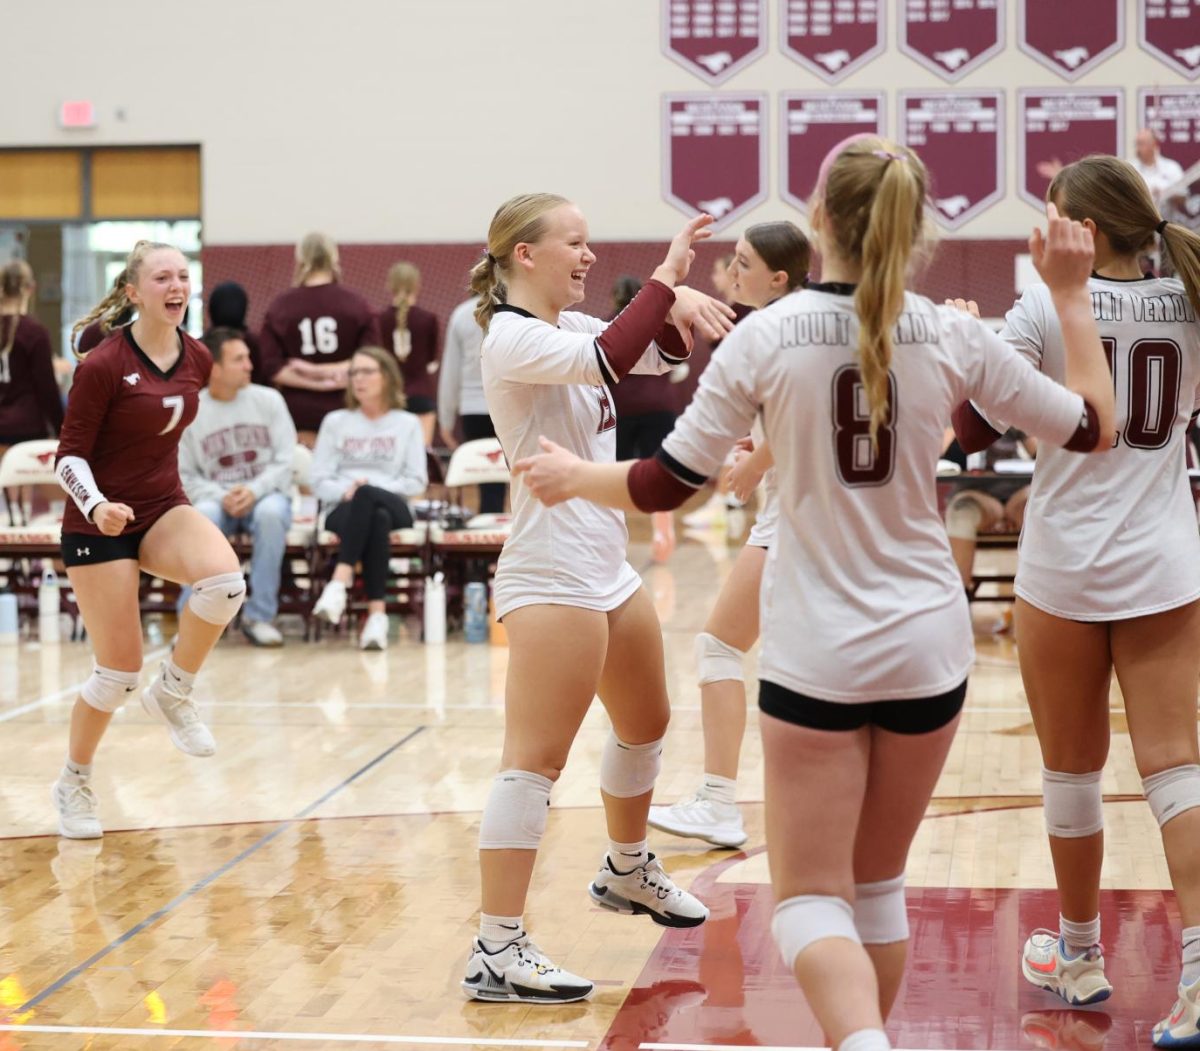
311	332
866	636
412	333
770	260
30	405
132	397
579	621
1109	580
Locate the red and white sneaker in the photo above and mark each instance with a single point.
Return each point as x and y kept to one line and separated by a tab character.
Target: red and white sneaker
1077	979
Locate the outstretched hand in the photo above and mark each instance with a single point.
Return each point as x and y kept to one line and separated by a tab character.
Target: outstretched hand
695	310
548	475
681	255
1064	255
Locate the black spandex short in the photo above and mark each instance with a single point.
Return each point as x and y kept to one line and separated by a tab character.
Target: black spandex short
83	549
420	404
915	716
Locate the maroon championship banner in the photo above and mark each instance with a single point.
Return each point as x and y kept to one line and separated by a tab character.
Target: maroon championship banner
1173	114
812	124
960	137
1071	36
1170	30
832	38
1058	126
714	38
715	153
951	37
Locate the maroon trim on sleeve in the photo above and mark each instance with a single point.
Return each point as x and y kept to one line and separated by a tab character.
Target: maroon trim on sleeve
1087	434
973	432
653	488
635	328
671	347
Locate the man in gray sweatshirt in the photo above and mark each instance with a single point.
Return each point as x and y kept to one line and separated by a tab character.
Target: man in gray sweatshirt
235	462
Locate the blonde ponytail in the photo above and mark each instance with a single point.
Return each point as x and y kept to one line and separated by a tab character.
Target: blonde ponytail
403	281
519	220
316	253
116	309
874	197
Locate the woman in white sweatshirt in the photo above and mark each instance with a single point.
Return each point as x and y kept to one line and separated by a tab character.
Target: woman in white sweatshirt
369	459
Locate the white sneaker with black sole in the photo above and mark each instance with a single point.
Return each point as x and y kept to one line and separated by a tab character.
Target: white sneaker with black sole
647	890
520	972
699	817
76	804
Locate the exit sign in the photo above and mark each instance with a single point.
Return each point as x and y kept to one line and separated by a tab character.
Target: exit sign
79	113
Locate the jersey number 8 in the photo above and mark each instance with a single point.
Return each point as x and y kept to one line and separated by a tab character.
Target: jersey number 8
859	462
1154	374
319	336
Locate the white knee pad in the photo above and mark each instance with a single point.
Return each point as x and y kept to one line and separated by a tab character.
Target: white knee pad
628	770
1073	804
880	911
963	516
1171	792
217	599
514	817
800	921
717	661
106	689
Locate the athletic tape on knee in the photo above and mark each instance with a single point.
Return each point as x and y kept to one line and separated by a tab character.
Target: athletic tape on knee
217	599
963	516
880	911
107	689
800	921
717	661
628	770
514	817
1073	804
1171	792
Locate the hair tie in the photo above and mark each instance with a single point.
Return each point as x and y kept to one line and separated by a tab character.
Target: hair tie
1161	228
887	155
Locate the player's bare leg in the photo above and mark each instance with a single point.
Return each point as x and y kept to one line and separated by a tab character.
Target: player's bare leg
904	768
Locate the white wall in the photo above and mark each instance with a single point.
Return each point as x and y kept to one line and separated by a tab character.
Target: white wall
400	120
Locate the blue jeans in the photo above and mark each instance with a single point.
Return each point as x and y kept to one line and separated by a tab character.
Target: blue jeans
267	523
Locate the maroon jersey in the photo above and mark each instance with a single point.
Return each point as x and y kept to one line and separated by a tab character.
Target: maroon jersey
421	349
124	420
29	398
321	324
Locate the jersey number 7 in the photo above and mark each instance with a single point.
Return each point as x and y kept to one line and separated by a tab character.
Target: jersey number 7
174	402
1154	371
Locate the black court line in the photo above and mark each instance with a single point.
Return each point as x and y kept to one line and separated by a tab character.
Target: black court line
197	887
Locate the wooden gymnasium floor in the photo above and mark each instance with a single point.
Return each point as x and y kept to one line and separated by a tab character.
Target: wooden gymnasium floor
315	884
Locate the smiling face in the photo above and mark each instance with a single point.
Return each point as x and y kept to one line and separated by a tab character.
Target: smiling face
161	287
559	261
751	282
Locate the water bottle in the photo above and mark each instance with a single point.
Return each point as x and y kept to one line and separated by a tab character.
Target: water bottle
9	624
435	609
48	607
475	618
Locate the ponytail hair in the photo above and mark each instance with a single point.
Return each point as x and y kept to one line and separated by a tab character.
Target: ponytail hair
316	253
116	309
519	220
16	280
874	200
1111	193
403	281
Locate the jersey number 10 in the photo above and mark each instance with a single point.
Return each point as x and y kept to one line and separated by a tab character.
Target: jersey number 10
1154	373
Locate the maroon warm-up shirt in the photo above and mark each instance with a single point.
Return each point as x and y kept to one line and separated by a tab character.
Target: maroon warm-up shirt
423	329
321	324
124	418
29	398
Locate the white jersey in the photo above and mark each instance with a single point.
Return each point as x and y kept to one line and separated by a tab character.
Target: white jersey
542	380
1114	536
861	600
766	519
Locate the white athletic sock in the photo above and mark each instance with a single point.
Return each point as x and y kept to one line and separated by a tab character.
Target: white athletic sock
719	789
77	771
495	932
866	1040
1191	955
625	857
1079	937
176	679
